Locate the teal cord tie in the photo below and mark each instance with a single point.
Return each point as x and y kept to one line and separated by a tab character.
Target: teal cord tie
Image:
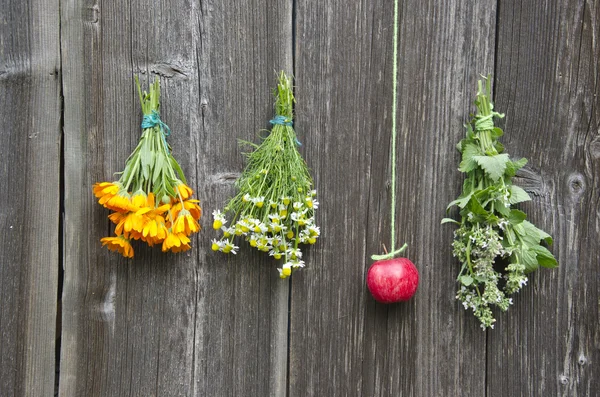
282	120
153	119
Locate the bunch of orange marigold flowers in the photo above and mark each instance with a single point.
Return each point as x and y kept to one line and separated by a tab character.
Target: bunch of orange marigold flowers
151	201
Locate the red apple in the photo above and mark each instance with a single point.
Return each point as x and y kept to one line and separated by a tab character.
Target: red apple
392	280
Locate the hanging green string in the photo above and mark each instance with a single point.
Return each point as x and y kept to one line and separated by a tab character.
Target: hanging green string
393	252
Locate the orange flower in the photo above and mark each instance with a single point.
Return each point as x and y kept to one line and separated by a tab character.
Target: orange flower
174	240
185	223
120	244
191	206
184	190
106	189
131	221
120	202
181	248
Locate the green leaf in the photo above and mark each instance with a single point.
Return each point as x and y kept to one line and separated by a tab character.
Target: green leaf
529	259
497	132
544	257
449	220
466	280
494	166
518	195
460	202
178	169
476	209
545	237
464	198
158	167
515	217
469	151
499	147
501	208
513	166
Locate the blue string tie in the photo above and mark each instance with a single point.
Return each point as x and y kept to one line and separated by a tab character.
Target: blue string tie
282	120
153	119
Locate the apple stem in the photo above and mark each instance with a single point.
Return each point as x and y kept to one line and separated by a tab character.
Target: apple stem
390	255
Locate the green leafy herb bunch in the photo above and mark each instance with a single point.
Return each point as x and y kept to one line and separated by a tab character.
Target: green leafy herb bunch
495	243
274	209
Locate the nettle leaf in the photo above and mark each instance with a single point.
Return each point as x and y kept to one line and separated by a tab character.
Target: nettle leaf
544	256
518	195
513	166
494	166
496	132
545	237
449	220
499	147
468	163
464	198
527	233
515	217
501	208
475	207
466	280
529	259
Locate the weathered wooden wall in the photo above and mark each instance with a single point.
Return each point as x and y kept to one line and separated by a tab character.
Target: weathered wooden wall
205	324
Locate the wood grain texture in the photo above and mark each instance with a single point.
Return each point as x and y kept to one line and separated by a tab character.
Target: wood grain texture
342	342
30	179
197	323
205	324
547	84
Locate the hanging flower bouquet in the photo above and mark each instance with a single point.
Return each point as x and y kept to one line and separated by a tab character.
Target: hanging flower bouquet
495	243
274	208
151	201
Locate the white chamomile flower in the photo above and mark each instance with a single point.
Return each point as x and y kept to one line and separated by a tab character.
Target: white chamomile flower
285	271
259	201
314	230
230	248
219	219
247	198
297	264
217	245
275	254
297	206
228	231
275	218
294	253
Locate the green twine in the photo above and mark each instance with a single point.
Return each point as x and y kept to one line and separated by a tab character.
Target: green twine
486	123
393	251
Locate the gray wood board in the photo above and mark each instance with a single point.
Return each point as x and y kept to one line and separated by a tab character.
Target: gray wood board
30	195
342	342
547	84
197	323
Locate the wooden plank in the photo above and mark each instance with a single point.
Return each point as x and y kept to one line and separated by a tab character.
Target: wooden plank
342	342
547	84
196	323
30	179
